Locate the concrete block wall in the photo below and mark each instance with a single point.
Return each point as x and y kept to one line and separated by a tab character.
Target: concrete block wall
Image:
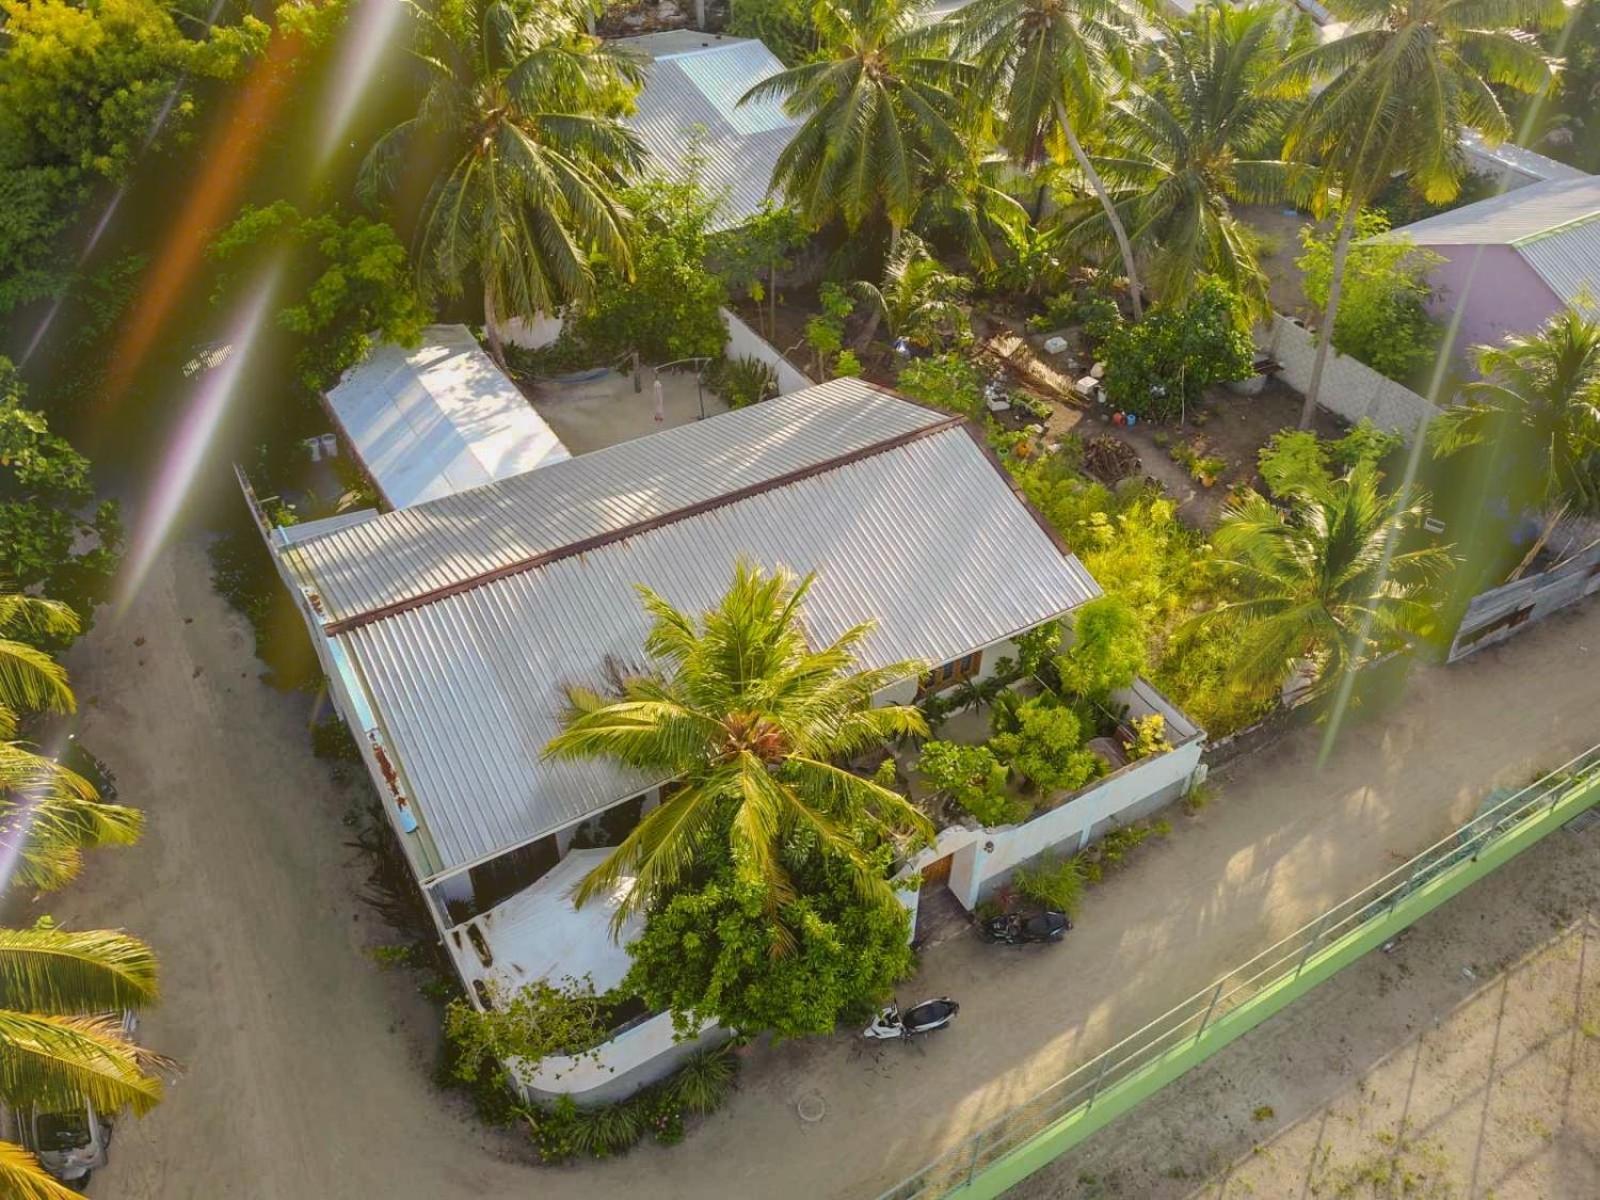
1350	388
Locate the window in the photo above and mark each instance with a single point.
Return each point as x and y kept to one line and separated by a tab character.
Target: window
951	673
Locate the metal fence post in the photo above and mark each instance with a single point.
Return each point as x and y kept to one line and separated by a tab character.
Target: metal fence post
1311	945
972	1162
1094	1088
1210	1008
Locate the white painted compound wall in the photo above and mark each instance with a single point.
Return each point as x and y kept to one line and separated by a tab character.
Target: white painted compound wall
1350	388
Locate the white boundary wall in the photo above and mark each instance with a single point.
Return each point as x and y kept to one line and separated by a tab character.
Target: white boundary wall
744	342
983	859
1350	388
632	1060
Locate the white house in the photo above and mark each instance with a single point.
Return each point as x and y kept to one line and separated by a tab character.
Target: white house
450	628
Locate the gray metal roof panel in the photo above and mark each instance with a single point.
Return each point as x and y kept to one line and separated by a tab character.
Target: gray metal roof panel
441	543
928	540
690	100
1510	218
1568	260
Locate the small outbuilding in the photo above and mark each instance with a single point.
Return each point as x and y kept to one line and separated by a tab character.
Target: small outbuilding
439	419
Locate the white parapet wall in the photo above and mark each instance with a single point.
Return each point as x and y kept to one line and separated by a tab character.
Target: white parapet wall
637	1057
984	859
744	342
1350	388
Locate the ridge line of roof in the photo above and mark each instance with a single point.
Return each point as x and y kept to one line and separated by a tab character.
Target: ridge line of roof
595	541
1528	239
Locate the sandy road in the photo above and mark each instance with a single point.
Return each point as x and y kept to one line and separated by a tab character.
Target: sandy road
309	1067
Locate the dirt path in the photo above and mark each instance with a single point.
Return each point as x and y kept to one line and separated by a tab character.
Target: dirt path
309	1067
1465	1063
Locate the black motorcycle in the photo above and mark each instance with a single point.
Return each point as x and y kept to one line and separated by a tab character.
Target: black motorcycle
1014	929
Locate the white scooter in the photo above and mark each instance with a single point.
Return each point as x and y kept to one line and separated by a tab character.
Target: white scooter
922	1018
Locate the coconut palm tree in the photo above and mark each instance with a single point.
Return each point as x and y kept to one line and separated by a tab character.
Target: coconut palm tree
917	298
522	111
1396	92
880	111
1045	63
62	1042
1323	584
753	725
48	814
1199	138
1540	393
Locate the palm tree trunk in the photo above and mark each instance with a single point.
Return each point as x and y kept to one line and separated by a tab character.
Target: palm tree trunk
1121	234
1341	254
491	330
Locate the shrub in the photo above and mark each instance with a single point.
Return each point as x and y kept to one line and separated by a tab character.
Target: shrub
538	1020
945	381
846	365
972	779
1111	851
1047	747
1055	883
705	1080
1383	317
1108	650
1365	443
1149	737
744	381
1291	461
1162	365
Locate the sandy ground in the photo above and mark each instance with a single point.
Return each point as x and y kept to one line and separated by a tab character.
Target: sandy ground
1464	1063
593	413
309	1067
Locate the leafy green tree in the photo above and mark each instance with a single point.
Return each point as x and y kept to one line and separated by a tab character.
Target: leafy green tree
1046	747
1394	95
50	539
1329	585
750	257
35	205
917	298
1045	64
784	26
1383	317
879	107
713	951
522	110
670	307
1539	403
1198	138
350	284
972	778
1109	649
1162	365
753	724
59	1050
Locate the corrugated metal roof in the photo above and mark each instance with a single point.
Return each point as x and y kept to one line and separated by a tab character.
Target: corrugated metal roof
691	96
1568	259
1554	226
1526	166
439	419
927	539
416	550
1513	217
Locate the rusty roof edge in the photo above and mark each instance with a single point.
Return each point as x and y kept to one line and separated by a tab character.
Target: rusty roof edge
584	545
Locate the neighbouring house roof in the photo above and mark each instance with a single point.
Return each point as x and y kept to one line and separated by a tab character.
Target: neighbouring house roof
465	617
693	82
439	419
1554	226
1524	166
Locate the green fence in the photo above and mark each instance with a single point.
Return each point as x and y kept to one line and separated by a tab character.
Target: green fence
1064	1114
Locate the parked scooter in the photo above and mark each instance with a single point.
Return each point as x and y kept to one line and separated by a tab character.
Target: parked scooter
921	1018
1014	929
